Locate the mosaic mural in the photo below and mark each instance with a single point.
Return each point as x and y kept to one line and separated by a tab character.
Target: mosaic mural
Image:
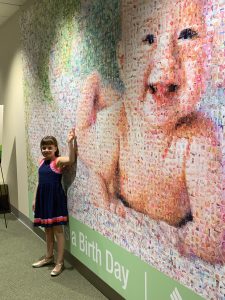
143	83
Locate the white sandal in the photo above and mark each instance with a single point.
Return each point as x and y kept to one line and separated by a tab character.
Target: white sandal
43	262
58	269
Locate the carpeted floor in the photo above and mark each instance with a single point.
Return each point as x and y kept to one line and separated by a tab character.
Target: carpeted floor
19	248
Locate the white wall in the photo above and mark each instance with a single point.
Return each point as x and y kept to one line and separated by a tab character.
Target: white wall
1	122
14	161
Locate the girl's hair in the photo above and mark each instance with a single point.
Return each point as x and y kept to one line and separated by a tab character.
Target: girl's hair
50	140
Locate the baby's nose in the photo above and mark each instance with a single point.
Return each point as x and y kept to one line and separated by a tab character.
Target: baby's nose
164	77
164	64
163	70
163	88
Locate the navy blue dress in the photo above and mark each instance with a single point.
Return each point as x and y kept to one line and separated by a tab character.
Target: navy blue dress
51	202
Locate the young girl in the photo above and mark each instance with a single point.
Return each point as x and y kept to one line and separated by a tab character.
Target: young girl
50	204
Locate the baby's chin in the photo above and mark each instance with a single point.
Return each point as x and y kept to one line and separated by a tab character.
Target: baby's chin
161	122
168	115
165	117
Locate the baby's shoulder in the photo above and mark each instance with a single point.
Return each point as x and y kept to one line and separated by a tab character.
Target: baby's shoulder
196	126
110	114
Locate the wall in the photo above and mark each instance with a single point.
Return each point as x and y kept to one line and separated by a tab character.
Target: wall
1	127
14	160
1	122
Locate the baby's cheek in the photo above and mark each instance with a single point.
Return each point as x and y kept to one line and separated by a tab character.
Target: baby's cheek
192	60
191	85
192	51
137	71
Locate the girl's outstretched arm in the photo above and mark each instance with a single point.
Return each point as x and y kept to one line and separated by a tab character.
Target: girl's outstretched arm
72	148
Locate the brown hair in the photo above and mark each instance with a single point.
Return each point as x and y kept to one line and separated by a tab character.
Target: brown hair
50	140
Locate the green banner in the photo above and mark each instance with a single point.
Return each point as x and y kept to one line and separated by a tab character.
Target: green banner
127	274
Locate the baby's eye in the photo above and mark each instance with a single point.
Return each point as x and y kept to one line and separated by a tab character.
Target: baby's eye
187	33
149	39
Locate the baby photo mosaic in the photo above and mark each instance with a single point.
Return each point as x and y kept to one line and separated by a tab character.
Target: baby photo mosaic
143	83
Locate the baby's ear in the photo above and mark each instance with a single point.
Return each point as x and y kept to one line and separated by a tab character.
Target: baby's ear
120	51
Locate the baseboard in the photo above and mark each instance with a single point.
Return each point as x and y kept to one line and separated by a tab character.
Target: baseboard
24	219
97	282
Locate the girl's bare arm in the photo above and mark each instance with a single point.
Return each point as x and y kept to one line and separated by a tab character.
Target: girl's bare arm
72	149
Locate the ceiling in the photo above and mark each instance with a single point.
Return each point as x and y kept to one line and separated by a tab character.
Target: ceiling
8	8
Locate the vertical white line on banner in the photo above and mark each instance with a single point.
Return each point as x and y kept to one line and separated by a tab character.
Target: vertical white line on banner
146	289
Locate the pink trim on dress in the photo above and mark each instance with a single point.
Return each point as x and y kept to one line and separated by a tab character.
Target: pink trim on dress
55	168
50	221
41	161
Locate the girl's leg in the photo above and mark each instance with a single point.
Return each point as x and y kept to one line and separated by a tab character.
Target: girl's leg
49	255
49	241
58	231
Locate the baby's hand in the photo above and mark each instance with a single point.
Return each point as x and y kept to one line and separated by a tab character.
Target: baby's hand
117	206
71	135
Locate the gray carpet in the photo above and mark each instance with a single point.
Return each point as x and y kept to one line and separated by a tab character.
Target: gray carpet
19	248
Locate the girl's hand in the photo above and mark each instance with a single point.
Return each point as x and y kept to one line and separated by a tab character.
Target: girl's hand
71	135
33	205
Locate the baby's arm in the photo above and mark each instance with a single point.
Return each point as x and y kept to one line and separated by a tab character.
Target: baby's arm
97	118
62	161
204	236
99	150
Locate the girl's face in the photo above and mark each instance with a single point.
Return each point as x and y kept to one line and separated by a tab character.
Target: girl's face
164	56
48	151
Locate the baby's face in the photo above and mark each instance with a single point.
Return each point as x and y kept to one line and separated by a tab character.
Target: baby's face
164	59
